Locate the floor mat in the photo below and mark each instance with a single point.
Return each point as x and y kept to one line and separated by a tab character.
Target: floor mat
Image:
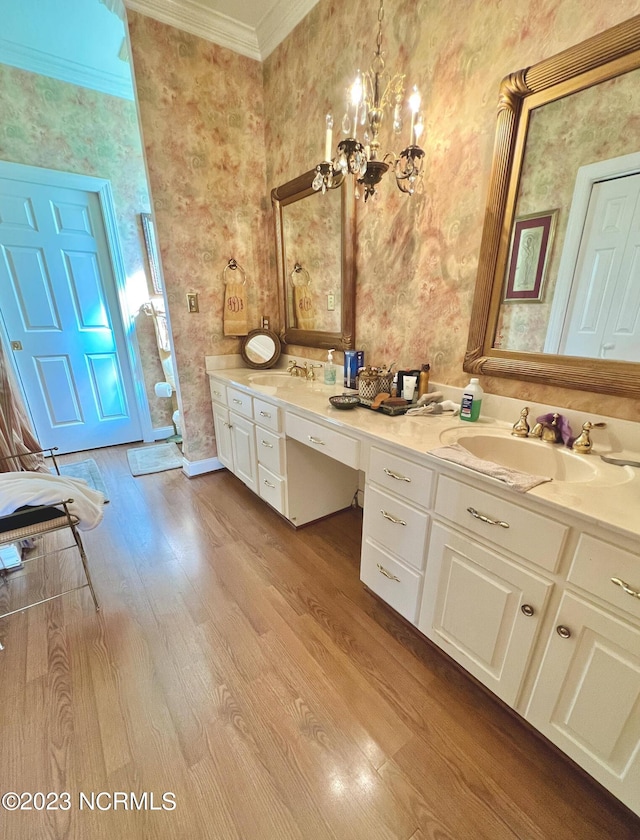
87	470
152	459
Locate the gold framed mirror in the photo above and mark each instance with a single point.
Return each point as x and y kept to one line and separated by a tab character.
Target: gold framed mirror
315	257
582	96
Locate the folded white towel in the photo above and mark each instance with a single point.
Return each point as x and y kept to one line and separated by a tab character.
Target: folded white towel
33	488
519	481
444	407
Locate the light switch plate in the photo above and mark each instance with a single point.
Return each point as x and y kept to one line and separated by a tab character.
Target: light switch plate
331	302
192	302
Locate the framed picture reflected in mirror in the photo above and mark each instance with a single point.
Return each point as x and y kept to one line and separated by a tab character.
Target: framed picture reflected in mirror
149	231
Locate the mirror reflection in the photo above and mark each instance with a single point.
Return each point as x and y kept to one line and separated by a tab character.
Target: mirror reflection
572	278
315	256
260	349
312	258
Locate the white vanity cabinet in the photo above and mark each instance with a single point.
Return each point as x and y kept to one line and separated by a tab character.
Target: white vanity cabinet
221	423
482	608
586	696
394	530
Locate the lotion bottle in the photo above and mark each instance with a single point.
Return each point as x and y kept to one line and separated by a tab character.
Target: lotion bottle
471	401
330	369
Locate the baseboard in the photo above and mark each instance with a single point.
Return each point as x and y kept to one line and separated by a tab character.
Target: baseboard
162	432
193	468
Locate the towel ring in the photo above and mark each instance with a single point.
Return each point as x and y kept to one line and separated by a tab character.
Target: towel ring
233	265
298	269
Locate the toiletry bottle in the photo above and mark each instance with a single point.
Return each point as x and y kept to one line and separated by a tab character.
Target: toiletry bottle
423	380
330	369
471	401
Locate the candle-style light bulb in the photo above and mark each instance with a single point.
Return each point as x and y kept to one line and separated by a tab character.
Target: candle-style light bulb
356	99
418	128
415	101
328	143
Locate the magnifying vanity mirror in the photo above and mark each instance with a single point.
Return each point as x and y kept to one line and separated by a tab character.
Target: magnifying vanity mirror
315	236
260	349
558	290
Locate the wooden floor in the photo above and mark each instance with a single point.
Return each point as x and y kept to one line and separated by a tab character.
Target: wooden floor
241	666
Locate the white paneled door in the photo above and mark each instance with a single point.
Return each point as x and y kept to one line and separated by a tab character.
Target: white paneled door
59	305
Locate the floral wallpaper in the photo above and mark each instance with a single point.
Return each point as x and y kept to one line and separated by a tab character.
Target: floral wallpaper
202	114
596	124
417	257
57	125
221	130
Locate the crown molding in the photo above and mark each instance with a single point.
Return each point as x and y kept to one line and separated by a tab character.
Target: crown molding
36	61
256	43
205	23
279	21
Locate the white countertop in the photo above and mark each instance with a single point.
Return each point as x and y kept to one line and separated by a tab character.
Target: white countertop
611	500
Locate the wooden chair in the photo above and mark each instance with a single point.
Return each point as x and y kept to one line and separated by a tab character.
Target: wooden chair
35	521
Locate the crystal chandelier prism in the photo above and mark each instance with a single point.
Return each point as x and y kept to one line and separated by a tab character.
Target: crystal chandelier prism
373	94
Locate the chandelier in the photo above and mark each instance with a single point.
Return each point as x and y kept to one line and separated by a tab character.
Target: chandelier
372	94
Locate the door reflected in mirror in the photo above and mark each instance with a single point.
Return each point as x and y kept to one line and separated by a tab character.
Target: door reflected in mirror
589	303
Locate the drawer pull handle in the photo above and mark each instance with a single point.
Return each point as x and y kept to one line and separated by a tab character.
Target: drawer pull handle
626	587
392	518
237	402
563	631
265	414
486	519
387	574
217	393
267	444
398	477
528	610
228	425
316	440
268	483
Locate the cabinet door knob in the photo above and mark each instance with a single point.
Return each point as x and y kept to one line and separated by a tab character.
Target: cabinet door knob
563	631
527	609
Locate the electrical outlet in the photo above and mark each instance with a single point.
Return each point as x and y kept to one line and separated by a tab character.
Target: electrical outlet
331	302
192	302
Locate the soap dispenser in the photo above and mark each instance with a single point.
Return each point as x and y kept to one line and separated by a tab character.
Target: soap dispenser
330	369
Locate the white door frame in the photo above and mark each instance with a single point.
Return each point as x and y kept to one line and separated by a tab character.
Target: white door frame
587	176
102	188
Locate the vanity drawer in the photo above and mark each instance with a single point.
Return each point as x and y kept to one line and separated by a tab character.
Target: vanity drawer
267	415
529	535
326	441
270	449
396	584
397	526
596	562
218	391
404	478
240	402
272	489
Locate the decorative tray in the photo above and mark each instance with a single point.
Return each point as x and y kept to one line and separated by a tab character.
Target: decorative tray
390	410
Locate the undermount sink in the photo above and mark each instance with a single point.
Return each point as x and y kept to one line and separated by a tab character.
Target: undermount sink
527	455
275	379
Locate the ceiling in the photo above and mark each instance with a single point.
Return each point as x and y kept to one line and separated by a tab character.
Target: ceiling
251	27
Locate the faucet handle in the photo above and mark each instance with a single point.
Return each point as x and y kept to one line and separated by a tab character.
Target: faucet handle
521	427
583	443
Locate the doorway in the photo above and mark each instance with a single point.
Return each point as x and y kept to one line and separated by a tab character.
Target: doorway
59	302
